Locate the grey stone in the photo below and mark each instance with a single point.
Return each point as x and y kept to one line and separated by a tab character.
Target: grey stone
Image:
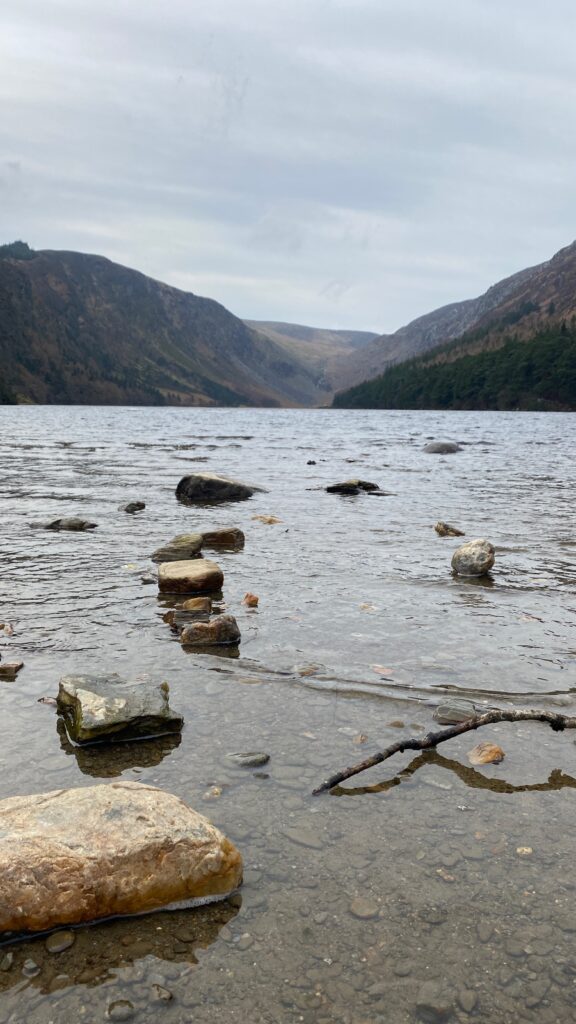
475	558
467	999
434	913
133	506
434	1004
30	968
250	759
71	523
442	448
161	994
57	942
105	708
454	711
120	1010
363	909
179	549
212	488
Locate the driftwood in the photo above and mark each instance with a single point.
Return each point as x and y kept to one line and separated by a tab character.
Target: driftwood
556	722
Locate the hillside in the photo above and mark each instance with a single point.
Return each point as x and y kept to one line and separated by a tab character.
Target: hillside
80	329
532	320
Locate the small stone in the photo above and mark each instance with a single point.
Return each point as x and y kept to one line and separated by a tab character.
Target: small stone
433	1005
201	605
311	462
250	600
249	759
446	530
244	942
6	961
485	931
454	711
524	851
221	630
475	558
442	448
267	520
434	914
161	994
30	969
396	723
515	947
59	941
132	506
121	1009
10	669
486	753
363	909
467	999
403	969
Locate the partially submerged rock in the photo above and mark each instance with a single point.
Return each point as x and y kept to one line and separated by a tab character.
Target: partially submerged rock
198	605
446	530
475	558
197	576
212	488
225	537
221	630
353	486
181	547
442	448
132	506
77	855
454	711
10	669
249	758
109	708
73	523
486	753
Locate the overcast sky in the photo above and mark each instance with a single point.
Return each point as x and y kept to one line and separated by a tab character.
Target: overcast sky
341	163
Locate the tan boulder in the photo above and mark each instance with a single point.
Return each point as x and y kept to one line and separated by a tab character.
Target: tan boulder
224	537
76	855
200	605
193	576
221	630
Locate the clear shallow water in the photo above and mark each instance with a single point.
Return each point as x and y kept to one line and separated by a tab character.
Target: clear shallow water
360	625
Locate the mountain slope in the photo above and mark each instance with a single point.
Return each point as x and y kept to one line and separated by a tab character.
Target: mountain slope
520	353
76	328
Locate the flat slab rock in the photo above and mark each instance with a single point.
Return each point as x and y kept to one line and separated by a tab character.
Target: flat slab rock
195	576
77	855
212	488
180	548
71	523
442	448
97	709
353	486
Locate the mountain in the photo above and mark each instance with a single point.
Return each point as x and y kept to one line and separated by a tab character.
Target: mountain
80	329
518	352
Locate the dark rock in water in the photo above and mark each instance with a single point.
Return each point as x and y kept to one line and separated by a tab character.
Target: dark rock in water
70	523
249	759
311	462
180	548
442	448
222	630
10	669
109	708
453	711
352	487
132	506
475	558
211	488
445	530
225	537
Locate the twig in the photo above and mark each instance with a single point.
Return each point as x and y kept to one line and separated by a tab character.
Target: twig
556	722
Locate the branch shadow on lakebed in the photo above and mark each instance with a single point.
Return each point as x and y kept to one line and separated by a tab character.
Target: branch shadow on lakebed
468	775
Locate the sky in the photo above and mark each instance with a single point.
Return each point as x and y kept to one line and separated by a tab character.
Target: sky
340	163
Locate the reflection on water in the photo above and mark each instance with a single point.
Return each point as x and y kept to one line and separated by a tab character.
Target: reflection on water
350	908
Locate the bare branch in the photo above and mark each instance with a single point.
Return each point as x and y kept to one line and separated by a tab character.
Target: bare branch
556	722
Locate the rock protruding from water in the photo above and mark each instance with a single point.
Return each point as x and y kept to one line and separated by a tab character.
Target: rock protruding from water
225	537
475	558
454	711
72	523
197	576
198	605
442	448
10	669
108	708
221	630
353	486
212	488
132	507
180	548
446	530
77	855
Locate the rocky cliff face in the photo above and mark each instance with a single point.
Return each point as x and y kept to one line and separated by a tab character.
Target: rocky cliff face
80	329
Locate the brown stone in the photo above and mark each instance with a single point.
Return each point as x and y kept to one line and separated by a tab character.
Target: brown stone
250	600
445	530
184	546
10	669
197	575
80	854
486	753
201	605
225	537
222	630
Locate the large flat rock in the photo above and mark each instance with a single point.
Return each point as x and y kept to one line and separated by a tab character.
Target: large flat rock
77	855
212	489
193	576
97	709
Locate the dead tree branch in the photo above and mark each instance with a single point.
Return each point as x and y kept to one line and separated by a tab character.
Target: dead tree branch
556	722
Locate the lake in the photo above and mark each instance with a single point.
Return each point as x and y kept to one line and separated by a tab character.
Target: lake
426	889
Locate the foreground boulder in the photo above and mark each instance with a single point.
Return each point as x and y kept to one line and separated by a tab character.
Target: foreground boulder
221	630
185	545
475	558
197	576
76	855
445	530
108	708
442	448
211	488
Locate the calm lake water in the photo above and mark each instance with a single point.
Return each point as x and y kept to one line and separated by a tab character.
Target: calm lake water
424	890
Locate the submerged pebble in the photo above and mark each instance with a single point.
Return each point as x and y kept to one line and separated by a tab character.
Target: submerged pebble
59	941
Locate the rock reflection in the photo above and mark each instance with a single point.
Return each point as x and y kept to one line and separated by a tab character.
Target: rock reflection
468	775
108	760
102	949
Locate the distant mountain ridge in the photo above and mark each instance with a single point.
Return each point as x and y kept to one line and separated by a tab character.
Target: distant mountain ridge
80	329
